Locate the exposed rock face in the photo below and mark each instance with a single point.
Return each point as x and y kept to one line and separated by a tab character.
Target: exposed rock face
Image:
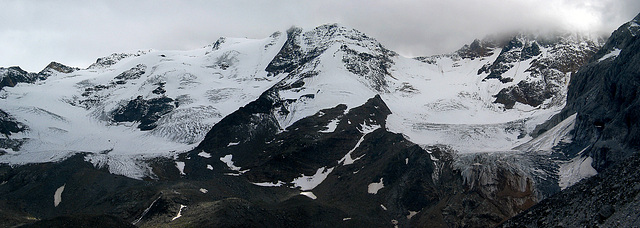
14	75
112	59
9	125
254	121
147	112
373	68
477	49
531	93
54	67
133	73
517	50
291	55
549	73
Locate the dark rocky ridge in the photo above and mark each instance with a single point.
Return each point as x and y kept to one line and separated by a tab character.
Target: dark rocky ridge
477	49
566	54
57	67
291	56
11	76
518	49
8	124
423	181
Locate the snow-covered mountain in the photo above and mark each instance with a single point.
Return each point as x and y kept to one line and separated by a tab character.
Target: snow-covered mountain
155	102
371	136
147	103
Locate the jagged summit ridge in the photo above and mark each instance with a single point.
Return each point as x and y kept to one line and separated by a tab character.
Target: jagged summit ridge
534	69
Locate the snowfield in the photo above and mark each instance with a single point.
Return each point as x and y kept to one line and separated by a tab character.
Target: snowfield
208	83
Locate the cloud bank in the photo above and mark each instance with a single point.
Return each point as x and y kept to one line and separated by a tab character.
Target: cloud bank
34	33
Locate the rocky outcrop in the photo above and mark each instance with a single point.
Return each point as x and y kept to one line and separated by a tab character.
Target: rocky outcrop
291	56
477	49
133	73
147	112
549	73
9	125
373	68
55	67
11	76
112	59
517	50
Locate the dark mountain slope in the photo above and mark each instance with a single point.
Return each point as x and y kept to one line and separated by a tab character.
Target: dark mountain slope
370	175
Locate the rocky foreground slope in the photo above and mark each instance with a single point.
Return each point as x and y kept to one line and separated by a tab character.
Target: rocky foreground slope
320	127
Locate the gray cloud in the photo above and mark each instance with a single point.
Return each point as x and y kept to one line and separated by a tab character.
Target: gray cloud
33	33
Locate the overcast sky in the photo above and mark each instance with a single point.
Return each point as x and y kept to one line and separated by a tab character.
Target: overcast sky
75	33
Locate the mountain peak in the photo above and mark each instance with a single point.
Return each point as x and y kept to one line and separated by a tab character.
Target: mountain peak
57	67
13	75
303	47
622	37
